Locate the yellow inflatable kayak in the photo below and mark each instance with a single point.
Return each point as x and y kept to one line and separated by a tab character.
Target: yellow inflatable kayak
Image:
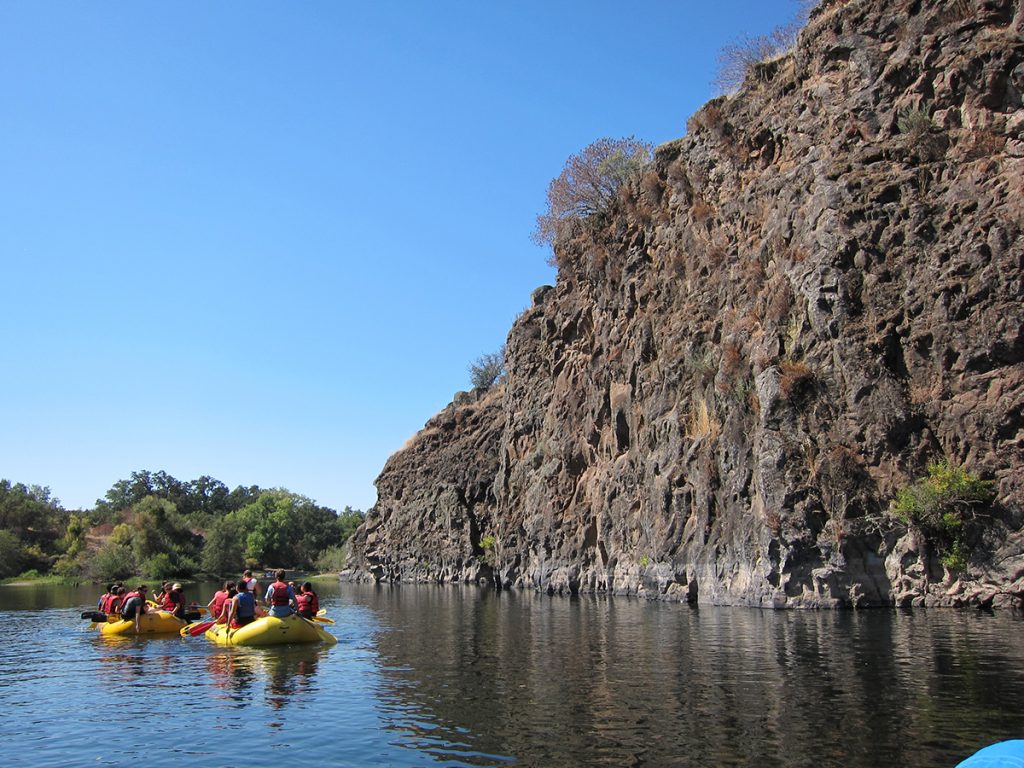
154	623
271	630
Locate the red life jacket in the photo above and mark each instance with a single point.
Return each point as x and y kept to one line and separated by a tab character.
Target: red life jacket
279	593
126	598
308	602
167	603
177	600
110	603
217	605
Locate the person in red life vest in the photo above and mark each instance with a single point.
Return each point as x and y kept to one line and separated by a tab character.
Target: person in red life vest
217	604
117	599
129	600
163	599
160	595
134	606
241	608
226	610
251	584
105	600
174	601
112	601
280	597
105	597
308	602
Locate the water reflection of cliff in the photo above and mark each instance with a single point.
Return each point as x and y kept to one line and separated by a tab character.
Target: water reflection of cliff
618	682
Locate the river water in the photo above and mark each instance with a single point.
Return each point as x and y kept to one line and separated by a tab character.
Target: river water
457	676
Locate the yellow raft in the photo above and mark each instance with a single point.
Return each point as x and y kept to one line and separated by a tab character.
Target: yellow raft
271	630
153	623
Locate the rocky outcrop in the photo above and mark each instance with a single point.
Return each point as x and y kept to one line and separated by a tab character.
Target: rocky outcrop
804	301
439	494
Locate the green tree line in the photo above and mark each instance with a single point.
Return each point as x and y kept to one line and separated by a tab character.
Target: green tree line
156	526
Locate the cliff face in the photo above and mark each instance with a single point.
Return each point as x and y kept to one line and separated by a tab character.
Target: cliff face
804	301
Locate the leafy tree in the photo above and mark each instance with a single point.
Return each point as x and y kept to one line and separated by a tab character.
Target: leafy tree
283	528
122	534
348	520
72	561
12	555
158	521
488	369
205	497
147	534
114	561
30	513
125	494
242	496
73	541
159	566
157	537
332	559
319	529
266	527
223	549
34	521
589	185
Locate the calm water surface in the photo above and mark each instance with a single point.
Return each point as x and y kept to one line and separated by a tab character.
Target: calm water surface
450	676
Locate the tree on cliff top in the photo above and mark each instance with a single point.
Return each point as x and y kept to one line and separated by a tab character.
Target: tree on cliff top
739	59
588	185
486	370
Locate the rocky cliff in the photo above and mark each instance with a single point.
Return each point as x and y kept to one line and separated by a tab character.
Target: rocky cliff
800	304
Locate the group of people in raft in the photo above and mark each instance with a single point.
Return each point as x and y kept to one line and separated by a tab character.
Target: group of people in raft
236	604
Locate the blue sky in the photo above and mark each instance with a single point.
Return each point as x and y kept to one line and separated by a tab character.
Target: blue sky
262	241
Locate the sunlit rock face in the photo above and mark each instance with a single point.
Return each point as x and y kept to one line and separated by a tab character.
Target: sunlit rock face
800	304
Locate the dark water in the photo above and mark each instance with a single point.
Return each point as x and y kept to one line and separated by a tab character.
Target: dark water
449	676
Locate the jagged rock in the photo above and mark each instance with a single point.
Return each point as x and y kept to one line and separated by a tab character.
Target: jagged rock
796	309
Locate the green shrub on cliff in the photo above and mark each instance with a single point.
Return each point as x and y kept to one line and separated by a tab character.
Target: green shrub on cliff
941	506
915	122
487	544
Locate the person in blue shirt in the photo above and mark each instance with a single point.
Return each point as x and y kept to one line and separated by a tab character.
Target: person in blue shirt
281	597
242	608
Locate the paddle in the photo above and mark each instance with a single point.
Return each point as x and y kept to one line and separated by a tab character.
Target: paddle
323	634
192	630
323	620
